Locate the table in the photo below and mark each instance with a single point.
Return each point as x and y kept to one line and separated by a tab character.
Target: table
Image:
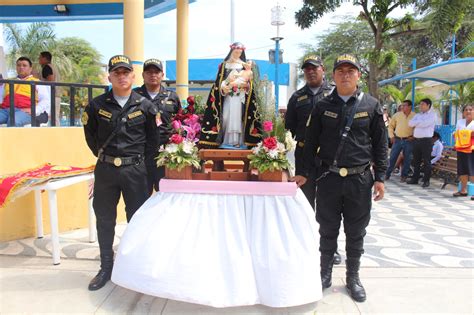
51	187
223	244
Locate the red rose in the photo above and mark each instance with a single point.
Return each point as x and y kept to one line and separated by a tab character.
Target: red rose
214	129
190	109
270	143
190	100
176	138
212	99
234	88
254	131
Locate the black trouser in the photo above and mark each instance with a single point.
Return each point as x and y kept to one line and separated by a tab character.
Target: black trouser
154	174
110	181
422	152
349	198
309	188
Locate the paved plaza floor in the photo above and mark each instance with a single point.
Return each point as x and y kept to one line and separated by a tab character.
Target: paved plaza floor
419	260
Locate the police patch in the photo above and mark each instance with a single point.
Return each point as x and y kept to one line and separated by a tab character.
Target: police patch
361	114
105	113
302	98
134	114
84	118
330	114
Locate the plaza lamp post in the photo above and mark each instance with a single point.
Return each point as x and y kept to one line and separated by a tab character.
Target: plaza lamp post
277	20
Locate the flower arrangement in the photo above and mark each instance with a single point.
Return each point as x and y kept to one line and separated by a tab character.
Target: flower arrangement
181	150
270	153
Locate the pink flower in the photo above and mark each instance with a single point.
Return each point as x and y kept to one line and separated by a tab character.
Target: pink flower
176	124
270	143
267	126
177	139
191	120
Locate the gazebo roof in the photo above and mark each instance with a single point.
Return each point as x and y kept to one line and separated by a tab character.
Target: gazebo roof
448	72
106	10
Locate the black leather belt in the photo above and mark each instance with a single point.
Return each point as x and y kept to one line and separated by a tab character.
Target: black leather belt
346	171
121	161
401	138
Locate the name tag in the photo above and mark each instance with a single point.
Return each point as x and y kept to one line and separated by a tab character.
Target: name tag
135	114
302	98
105	113
169	102
361	114
330	114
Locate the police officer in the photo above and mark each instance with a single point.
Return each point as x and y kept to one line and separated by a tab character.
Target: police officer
347	132
298	110
120	129
167	104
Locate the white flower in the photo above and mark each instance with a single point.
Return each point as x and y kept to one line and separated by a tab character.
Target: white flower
188	147
289	141
171	148
162	148
281	147
273	153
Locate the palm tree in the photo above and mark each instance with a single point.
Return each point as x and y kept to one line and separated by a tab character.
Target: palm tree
36	38
396	95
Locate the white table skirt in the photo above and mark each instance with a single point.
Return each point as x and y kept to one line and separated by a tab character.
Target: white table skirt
222	250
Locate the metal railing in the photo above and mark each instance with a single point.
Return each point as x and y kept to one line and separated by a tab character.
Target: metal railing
53	87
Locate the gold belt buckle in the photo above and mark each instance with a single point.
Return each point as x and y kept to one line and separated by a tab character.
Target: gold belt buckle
343	172
117	161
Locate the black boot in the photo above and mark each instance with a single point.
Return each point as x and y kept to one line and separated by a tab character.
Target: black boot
353	284
337	258
105	272
326	270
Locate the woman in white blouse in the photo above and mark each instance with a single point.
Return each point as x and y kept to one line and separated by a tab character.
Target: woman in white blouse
465	160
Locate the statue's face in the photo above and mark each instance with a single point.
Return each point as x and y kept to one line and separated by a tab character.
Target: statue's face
236	53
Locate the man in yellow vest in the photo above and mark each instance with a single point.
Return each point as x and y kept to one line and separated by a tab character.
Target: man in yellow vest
22	97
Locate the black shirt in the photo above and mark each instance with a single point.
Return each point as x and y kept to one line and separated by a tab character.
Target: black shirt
299	108
137	133
46	71
366	142
167	104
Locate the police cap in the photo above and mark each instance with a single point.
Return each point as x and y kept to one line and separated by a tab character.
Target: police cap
120	61
346	59
152	63
312	60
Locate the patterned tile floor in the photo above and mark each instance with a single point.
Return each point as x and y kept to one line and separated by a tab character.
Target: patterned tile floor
411	227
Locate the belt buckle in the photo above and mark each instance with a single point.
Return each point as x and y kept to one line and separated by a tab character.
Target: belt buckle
343	172
117	161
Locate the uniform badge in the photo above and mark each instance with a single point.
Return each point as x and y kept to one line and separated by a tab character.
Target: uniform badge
361	114
302	98
330	114
135	114
84	118
105	113
158	119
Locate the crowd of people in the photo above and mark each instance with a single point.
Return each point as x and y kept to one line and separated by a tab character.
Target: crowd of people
416	147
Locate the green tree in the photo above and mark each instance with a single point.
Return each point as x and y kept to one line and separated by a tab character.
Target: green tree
348	35
29	42
85	60
376	14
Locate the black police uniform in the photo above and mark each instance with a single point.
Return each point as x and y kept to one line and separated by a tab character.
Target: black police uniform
167	104
298	111
349	196
120	167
